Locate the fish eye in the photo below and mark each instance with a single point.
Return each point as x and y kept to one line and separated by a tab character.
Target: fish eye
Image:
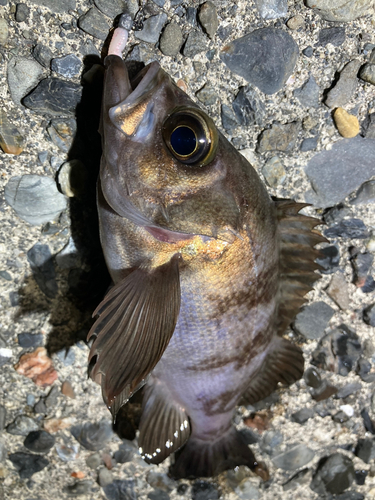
190	136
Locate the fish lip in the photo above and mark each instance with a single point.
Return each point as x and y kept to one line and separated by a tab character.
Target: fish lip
166	235
144	82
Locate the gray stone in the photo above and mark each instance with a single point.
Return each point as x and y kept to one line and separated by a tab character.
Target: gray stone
120	490
265	58
111	9
41	263
308	94
171	40
207	16
370	129
280	137
228	118
51	400
158	495
66	356
246	490
67	452
313	319
338	291
365	450
202	490
301	416
125	453
334	36
28	339
348	228
58	6
42	54
160	481
294	457
348	390
3	452
93	461
27	464
39	441
67	66
3	416
272	9
207	95
54	97
308	51
312	377
78	488
92	436
4	31
368	315
68	257
22	12
195	44
249	107
345	87
271	442
23	75
274	172
336	173
334	474
152	28
367	73
94	23
34	198
340	10
309	144
62	132
22	425
105	477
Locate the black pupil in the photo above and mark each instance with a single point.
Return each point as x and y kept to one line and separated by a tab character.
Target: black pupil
183	141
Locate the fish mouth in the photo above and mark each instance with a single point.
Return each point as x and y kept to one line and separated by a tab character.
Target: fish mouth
167	236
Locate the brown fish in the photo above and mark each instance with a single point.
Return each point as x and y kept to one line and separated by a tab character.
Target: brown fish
208	272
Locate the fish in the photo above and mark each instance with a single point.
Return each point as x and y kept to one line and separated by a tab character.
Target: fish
208	272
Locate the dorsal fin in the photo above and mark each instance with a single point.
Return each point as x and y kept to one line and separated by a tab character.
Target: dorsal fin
297	258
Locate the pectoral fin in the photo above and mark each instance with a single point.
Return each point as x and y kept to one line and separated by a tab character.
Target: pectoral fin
136	321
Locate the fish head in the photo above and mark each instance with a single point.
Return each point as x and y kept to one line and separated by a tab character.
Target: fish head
165	166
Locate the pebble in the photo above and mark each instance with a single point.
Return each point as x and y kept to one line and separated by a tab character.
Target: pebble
338	291
369	315
308	93
120	490
62	132
309	144
22	12
39	441
171	40
43	269
42	54
69	257
301	478
27	464
40	407
347	124
51	400
365	194
160	481
272	9
67	389
53	425
207	16
271	442
23	74
105	477
78	488
152	28
340	171
330	259
312	377
334	36
246	490
3	452
338	351
125	453
280	137
66	356
365	449
361	264
94	23
348	390
340	417
265	58
94	460
37	366
313	319
340	10
72	178
54	97
67	66
296	456
3	416
113	8
325	391
158	495
228	118
334	474
11	140
364	370
202	490
367	73
92	436
296	22
367	422
348	228
22	425
301	416
4	31
345	87
28	339
195	44
249	107
207	95
274	172
34	198
308	51
67	452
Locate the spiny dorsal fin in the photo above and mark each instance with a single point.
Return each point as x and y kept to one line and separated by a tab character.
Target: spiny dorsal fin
297	258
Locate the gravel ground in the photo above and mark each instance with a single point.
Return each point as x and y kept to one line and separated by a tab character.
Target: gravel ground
51	269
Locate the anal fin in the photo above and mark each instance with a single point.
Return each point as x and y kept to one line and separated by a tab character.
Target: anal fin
283	364
164	425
